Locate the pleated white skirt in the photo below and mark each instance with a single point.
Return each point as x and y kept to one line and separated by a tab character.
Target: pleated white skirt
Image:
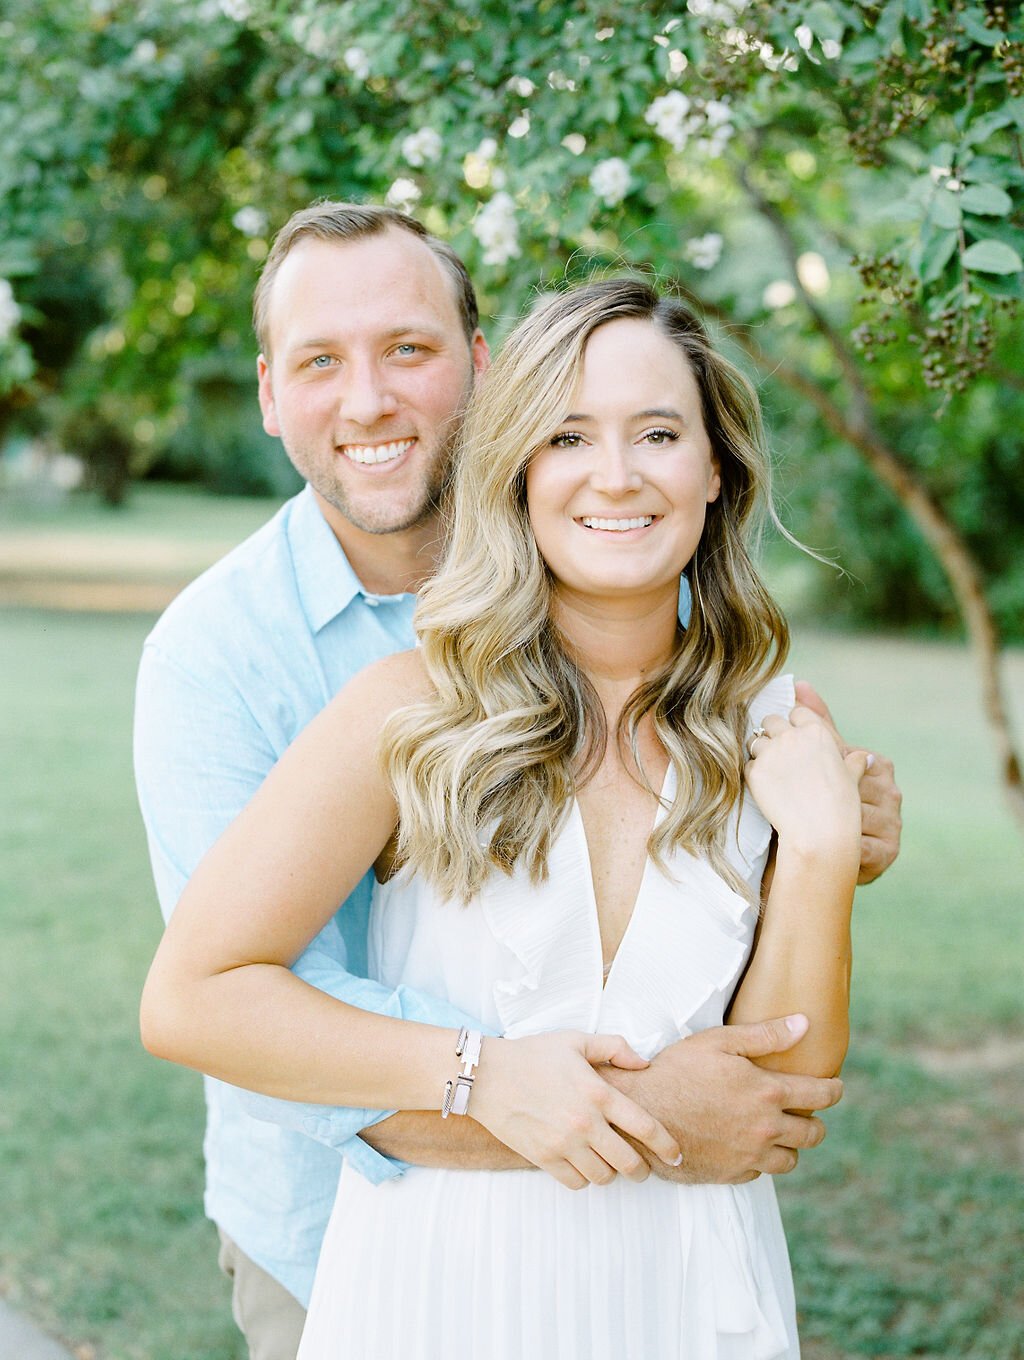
469	1265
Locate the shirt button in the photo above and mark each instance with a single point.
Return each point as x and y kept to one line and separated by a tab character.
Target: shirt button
372	600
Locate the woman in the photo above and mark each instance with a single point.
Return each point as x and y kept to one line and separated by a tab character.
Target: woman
555	810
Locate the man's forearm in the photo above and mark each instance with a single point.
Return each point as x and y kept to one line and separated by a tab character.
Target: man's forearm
423	1138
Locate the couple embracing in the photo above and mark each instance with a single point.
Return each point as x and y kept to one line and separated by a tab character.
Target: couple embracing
470	896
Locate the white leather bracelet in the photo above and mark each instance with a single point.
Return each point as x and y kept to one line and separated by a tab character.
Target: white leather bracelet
457	1090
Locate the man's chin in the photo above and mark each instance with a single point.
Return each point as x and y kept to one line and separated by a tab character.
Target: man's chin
376	519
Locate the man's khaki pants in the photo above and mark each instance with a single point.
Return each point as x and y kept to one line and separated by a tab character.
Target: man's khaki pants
268	1316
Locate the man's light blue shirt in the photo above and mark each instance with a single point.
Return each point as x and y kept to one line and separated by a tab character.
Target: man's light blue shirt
234	670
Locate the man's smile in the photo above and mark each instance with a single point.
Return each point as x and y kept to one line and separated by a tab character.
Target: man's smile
366	454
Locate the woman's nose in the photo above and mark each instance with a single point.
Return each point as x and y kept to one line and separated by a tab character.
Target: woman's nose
615	472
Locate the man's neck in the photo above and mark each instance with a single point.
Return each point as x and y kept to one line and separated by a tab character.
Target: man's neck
388	564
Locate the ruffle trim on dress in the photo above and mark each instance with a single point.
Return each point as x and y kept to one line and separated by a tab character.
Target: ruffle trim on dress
728	1291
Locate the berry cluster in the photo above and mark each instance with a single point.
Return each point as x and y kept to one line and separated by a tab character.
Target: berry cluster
955	340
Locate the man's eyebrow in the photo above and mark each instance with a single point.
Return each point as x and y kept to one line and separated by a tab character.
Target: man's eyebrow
392	333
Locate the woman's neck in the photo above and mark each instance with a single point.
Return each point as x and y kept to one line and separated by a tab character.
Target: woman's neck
618	643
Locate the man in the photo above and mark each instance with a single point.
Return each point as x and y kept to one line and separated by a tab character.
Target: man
369	349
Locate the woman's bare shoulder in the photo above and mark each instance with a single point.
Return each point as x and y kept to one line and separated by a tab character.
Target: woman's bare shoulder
375	692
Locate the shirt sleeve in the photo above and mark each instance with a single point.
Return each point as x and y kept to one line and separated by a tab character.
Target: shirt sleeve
200	755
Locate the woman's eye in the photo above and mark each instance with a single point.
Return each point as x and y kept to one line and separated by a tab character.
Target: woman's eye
659	437
570	439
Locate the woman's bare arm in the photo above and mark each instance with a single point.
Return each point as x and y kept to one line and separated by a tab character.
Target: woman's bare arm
802	955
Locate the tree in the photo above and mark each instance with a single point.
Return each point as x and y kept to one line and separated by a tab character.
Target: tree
839	183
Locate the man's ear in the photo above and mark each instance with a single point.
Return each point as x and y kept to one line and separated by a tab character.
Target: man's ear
481	353
266	397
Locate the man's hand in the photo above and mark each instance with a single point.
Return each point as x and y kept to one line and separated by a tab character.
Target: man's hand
880	799
731	1118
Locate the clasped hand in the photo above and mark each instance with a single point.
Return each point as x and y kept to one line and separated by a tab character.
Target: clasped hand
542	1096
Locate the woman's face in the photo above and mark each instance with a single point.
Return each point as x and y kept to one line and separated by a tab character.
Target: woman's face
618	496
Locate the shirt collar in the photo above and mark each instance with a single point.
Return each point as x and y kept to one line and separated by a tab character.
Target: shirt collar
326	581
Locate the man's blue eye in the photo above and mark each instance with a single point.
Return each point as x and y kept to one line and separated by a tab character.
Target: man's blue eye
322	361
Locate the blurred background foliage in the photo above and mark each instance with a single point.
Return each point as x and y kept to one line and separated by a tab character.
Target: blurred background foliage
840	183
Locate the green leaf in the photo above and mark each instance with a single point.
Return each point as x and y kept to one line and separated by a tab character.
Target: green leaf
986	200
995	229
1016	107
824	21
982	128
936	256
992	257
976	28
1001	285
944	209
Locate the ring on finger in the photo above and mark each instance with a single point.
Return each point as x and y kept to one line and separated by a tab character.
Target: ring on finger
755	736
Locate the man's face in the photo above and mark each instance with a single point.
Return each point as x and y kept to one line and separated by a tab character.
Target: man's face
368	375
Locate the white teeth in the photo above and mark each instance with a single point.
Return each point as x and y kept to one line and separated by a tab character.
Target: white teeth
377	453
618	526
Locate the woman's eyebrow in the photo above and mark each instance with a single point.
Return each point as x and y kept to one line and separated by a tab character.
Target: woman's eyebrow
655	412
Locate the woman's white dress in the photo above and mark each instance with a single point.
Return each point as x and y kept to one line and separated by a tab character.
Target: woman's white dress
474	1265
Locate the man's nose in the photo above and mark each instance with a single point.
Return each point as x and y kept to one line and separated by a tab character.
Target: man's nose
614	471
366	395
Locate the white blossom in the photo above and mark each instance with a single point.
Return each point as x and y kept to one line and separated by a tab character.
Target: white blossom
558	80
495	228
250	221
357	62
422	146
404	194
677	62
775	60
717	11
145	52
519	127
778	294
805	36
812	271
488	149
669	116
610	180
10	312
676	118
710	148
311	36
523	86
830	49
575	142
703	252
239	10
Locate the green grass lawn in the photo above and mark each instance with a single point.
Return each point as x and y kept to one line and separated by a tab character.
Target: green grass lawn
904	1226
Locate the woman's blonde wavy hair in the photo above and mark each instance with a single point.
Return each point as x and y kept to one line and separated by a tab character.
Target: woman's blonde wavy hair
484	772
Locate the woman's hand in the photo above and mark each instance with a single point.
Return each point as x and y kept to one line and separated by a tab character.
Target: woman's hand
803	785
542	1097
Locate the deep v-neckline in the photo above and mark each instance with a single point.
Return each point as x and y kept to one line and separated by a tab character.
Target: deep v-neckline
605	973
